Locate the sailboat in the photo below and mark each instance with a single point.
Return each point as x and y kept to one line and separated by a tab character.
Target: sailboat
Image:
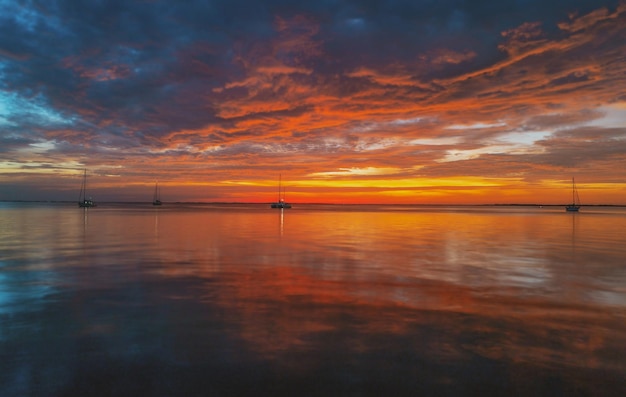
83	201
575	206
156	200
281	196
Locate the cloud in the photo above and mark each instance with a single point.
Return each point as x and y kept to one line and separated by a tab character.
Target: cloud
243	87
367	171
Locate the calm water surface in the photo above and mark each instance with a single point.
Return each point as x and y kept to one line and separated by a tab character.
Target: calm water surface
236	300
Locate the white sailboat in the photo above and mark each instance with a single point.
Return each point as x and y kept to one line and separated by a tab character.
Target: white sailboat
575	206
156	199
83	201
281	196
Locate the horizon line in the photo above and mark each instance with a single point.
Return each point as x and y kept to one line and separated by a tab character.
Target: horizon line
321	203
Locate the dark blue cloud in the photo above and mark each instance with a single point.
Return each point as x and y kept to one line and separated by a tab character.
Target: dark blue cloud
131	61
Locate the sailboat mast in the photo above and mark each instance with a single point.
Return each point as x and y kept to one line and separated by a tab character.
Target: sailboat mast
83	186
279	185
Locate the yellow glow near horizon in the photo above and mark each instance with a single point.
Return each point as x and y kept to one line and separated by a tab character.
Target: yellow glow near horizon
404	182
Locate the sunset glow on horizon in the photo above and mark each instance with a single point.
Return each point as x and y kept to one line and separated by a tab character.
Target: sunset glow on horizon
348	102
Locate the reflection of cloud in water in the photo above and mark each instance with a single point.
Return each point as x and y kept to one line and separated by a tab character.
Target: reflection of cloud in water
22	291
608	297
362	300
469	260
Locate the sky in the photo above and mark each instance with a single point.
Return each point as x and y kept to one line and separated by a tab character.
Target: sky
413	102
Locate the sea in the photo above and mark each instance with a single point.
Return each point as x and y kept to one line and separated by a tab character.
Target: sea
316	300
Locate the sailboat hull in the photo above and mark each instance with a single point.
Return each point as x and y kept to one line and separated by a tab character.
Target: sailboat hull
280	205
572	208
86	204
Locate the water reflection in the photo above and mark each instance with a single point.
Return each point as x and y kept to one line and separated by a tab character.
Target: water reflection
201	299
